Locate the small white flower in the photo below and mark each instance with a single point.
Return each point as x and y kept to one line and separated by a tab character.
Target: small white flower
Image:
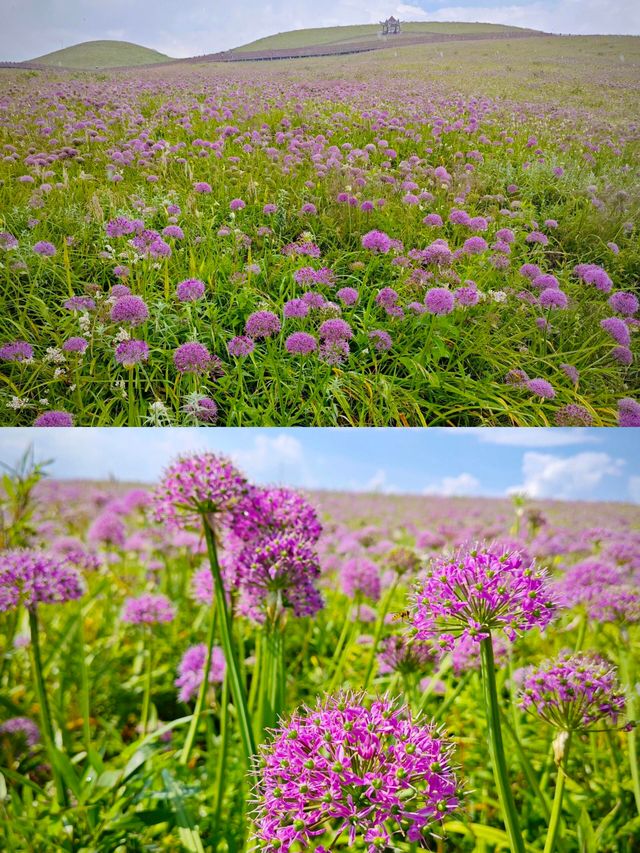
59	372
122	335
18	403
54	355
43	402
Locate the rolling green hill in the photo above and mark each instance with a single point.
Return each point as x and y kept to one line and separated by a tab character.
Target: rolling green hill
363	32
101	54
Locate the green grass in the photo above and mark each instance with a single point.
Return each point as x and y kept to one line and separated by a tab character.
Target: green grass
101	54
361	32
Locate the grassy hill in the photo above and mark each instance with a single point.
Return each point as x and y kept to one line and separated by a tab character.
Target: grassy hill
363	32
101	54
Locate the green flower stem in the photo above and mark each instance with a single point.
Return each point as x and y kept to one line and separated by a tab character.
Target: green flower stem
131	399
146	696
496	746
45	711
85	701
384	609
632	711
221	767
237	687
556	808
185	754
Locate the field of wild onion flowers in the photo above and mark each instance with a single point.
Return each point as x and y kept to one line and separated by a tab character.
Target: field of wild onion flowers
445	674
322	243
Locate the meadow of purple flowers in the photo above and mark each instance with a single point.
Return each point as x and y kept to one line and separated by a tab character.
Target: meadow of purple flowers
300	245
364	656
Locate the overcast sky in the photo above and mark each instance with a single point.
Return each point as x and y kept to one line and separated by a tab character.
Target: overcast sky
29	28
585	464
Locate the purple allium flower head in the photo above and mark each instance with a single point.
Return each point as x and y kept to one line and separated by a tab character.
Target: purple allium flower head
148	609
334	352
205	410
202	187
197	484
301	343
129	309
173	231
377	241
537	237
192	357
571	371
31	577
531	271
467	295
76	344
480	591
573	415
386	297
347	295
22	727
623	302
107	529
8	241
439	300
628	412
433	219
132	352
608	593
618	330
240	346
262	324
553	298
280	572
348	765
622	355
541	388
16	351
593	274
269	208
237	204
401	654
295	308
335	329
190	290
269	511
475	246
44	249
191	670
572	692
80	303
360	576
76	553
380	339
54	418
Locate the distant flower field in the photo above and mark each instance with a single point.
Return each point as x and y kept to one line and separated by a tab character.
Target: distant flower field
212	665
265	248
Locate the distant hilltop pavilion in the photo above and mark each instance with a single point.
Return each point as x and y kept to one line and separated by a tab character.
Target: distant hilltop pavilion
390	27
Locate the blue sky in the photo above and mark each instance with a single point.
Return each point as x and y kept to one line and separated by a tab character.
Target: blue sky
33	27
590	464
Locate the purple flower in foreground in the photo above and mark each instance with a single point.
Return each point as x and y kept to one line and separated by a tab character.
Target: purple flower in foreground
335	329
107	529
132	352
479	591
377	241
573	691
54	419
204	409
268	511
381	340
623	302
200	483
129	309
371	770
628	412
192	357
16	351
573	415
301	343
360	576
44	249
75	344
33	577
347	295
618	330
262	324
22	727
190	290
280	572
439	300
240	346
541	388
191	669
80	303
148	609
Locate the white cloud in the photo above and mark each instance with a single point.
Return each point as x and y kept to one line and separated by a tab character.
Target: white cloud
548	476
634	488
533	436
272	458
461	484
